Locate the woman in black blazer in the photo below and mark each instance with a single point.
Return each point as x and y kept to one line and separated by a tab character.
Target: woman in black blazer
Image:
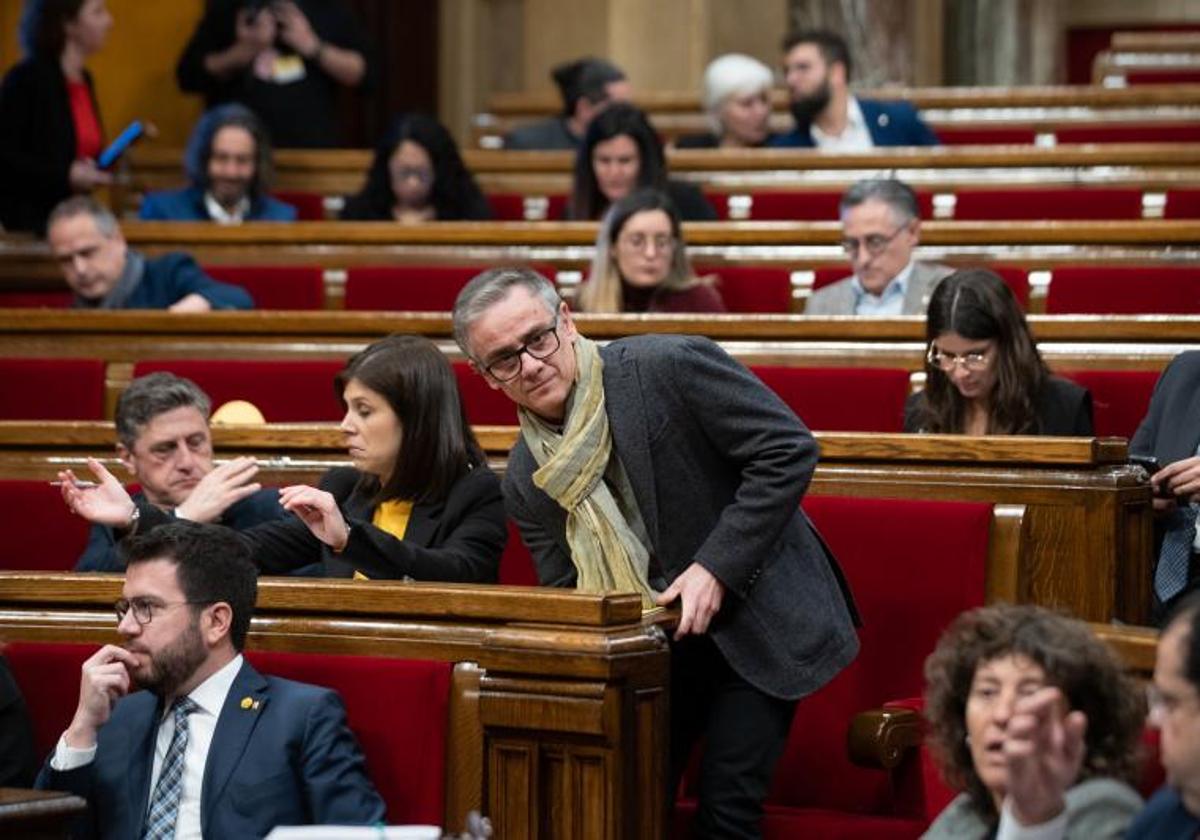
983	372
420	501
50	129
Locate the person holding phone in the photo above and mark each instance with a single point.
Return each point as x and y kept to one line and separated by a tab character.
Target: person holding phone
283	59
992	659
1170	432
50	127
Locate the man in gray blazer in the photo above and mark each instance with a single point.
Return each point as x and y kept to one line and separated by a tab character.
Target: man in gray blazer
881	226
688	473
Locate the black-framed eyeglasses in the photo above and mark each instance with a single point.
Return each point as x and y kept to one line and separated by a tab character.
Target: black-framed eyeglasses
144	609
873	243
541	345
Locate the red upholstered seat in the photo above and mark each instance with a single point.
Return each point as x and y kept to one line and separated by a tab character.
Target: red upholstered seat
516	563
1182	204
1035	204
39	532
986	136
35	300
285	391
752	288
485	405
1120	398
276	286
51	389
796	205
1128	290
1138	133
413	288
828	276
310	207
913	566
397	708
1173	77
841	399
510	207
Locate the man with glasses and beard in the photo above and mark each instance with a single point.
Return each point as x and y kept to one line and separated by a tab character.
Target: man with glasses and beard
207	745
816	68
881	228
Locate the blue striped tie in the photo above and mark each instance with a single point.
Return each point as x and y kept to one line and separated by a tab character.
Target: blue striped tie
1175	556
164	804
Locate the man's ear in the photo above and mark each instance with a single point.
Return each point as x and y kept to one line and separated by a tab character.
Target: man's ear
216	623
126	458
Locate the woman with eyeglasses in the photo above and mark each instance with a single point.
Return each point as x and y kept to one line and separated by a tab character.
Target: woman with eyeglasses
983	372
621	153
641	262
420	501
999	673
417	175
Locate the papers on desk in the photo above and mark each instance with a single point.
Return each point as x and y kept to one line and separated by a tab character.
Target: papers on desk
356	832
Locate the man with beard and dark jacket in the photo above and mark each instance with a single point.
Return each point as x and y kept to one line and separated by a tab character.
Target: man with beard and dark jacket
816	68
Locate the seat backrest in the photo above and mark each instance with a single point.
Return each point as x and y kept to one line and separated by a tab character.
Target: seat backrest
51	389
912	566
39	532
1139	133
412	288
397	708
285	391
1037	204
1120	398
276	286
1182	204
35	300
982	135
310	206
485	405
1124	290
516	563
752	288
841	399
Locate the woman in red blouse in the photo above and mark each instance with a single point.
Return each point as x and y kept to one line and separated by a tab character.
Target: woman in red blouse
50	130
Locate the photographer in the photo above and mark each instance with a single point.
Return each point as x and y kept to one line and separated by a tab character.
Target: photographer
1170	432
283	59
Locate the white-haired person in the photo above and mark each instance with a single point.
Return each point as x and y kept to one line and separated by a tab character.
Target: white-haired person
737	99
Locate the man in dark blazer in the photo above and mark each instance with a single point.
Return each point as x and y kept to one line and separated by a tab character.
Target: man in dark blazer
165	444
816	68
209	746
707	468
1170	432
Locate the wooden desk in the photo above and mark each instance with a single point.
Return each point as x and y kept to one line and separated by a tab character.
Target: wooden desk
1086	540
38	814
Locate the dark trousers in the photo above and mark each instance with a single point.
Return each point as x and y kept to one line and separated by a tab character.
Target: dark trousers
743	731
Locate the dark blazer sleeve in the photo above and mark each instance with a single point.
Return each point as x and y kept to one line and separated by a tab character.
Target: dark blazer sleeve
335	773
182	276
912	412
100	554
18	761
1064	408
917	130
215	32
690	201
551	556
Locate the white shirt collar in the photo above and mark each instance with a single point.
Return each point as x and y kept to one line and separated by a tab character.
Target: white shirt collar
897	285
210	695
223	217
855	137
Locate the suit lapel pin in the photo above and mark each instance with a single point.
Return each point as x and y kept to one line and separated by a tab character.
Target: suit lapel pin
256	704
883	119
248	703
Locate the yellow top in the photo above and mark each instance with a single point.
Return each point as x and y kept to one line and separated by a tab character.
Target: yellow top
393	518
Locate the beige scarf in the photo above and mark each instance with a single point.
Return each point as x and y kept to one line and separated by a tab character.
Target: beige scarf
608	556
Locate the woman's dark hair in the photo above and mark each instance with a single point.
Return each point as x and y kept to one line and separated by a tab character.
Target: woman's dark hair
1091	677
437	446
621	118
199	148
455	195
43	29
976	304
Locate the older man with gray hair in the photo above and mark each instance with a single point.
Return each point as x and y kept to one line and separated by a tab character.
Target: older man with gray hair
659	465
164	442
881	227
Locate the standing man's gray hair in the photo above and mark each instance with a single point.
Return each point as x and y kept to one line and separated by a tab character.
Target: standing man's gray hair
491	287
895	194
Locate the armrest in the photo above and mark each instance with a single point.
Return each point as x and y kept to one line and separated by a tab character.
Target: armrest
880	738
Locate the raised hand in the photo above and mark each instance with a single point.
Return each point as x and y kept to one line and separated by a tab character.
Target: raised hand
700	595
223	486
1044	748
105	504
84	176
319	511
295	29
105	680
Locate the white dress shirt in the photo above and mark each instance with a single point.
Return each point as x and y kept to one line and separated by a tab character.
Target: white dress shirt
225	217
889	302
856	137
210	697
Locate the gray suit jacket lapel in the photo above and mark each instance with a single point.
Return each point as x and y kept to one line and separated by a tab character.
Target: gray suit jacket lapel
631	437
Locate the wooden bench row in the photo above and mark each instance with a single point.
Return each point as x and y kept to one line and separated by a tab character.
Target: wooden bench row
1085	534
